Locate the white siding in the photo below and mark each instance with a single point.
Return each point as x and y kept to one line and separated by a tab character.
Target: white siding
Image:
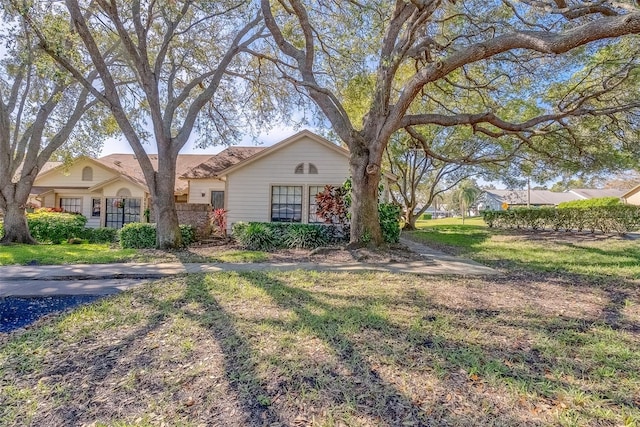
73	176
633	199
249	188
75	194
111	190
93	222
199	186
49	200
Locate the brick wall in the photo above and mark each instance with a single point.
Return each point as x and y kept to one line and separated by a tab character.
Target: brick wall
196	214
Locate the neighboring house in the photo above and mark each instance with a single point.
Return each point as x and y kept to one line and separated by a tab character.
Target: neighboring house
495	199
110	191
591	193
276	183
632	197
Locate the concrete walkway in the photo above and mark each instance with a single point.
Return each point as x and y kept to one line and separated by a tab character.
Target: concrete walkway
101	279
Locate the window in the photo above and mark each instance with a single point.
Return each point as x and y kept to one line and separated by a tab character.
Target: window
123	193
95	207
119	212
299	169
313	169
313	206
87	174
286	203
217	199
71	204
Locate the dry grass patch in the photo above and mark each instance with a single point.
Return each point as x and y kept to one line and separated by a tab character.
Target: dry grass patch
329	349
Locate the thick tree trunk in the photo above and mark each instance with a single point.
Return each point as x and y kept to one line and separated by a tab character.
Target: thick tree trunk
16	229
365	222
164	206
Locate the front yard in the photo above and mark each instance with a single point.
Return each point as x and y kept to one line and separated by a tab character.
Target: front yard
594	255
530	347
97	253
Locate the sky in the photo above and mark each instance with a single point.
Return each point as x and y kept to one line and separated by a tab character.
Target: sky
277	134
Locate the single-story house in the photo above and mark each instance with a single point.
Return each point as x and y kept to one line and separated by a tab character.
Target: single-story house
632	197
276	183
497	199
109	191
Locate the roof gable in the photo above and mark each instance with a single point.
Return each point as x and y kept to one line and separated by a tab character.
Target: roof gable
285	143
50	168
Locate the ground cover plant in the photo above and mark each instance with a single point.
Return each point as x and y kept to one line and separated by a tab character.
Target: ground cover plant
330	349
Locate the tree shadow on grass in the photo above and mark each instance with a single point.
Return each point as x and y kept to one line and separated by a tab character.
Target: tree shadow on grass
96	375
338	326
367	379
239	356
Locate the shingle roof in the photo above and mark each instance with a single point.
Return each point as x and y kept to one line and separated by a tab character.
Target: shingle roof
221	161
590	193
45	168
127	165
538	197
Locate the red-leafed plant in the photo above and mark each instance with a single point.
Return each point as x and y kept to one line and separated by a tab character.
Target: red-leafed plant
219	222
332	205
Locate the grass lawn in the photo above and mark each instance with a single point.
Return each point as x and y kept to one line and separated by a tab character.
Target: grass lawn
89	253
593	255
302	348
332	349
65	254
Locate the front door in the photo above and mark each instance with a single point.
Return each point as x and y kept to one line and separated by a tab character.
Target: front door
121	211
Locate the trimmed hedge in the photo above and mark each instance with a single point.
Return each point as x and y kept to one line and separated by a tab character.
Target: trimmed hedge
100	235
55	227
139	235
591	203
606	219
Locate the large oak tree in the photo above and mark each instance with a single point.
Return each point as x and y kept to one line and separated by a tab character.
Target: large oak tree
174	69
42	110
526	66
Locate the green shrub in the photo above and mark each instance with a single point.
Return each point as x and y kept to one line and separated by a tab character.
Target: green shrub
100	235
55	227
188	233
606	219
427	216
256	236
591	203
138	235
271	235
238	229
390	222
306	236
